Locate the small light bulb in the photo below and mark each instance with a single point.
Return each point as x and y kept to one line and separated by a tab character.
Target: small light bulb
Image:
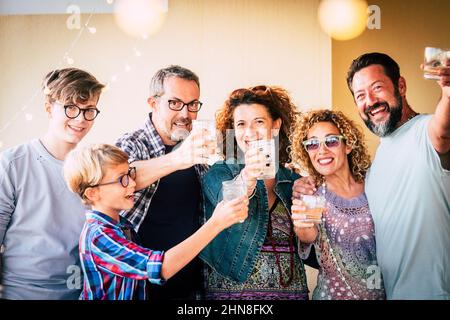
28	116
127	68
69	60
114	78
109	1
92	30
137	53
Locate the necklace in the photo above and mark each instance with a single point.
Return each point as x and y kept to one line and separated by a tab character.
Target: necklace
333	257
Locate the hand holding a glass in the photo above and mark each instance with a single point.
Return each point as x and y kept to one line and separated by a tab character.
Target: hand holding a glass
196	148
229	212
306	214
236	189
208	131
190	152
436	65
259	163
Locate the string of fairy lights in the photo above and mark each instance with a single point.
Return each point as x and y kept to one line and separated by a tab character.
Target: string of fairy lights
68	60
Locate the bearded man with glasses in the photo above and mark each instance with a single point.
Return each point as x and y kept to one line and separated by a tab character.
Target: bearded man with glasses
169	165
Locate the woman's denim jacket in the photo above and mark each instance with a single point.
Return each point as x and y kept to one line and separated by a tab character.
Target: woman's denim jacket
233	253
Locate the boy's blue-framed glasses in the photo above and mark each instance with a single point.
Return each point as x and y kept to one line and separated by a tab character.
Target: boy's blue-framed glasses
124	179
332	141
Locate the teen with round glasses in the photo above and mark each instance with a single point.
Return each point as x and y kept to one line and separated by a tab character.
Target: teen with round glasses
331	149
40	219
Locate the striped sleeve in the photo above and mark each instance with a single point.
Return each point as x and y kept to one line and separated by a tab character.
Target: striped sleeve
117	255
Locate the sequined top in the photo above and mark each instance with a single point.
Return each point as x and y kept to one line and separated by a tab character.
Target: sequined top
345	249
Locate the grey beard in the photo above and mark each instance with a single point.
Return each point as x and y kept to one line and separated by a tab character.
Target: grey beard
386	128
380	130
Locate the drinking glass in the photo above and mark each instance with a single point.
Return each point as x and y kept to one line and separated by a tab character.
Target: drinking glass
434	60
233	189
210	125
267	147
315	206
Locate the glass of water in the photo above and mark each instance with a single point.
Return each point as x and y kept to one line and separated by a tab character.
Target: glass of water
434	60
210	125
233	189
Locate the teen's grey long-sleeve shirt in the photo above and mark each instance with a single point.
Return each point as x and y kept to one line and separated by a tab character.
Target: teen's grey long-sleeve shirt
40	225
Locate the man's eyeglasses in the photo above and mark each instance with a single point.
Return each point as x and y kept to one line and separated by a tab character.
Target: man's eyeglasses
72	111
124	179
330	142
177	105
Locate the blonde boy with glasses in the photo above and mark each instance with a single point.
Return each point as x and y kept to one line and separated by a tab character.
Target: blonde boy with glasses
115	267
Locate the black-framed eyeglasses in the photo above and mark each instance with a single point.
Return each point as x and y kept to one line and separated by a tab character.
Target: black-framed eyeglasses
72	111
124	179
332	141
178	105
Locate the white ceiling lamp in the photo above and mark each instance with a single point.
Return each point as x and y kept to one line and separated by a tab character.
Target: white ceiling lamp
343	19
140	17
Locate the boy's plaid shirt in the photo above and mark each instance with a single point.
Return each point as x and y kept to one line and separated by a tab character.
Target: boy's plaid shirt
114	266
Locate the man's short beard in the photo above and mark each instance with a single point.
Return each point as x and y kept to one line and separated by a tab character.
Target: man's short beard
389	126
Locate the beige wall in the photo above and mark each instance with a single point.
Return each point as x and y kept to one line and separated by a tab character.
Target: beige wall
229	44
406	28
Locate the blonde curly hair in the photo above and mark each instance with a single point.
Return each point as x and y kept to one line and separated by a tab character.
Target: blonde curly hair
277	102
358	158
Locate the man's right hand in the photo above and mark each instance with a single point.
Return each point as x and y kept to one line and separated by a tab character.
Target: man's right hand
302	186
193	150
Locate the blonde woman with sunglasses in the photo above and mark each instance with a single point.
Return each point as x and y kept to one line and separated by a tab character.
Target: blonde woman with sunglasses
331	149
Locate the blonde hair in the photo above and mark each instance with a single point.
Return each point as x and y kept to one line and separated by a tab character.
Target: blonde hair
358	158
86	166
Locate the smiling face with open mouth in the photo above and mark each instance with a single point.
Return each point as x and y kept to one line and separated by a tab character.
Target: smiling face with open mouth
114	197
174	126
327	160
253	122
379	103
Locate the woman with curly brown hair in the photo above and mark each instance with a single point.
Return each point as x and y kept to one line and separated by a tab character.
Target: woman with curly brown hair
257	259
331	149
